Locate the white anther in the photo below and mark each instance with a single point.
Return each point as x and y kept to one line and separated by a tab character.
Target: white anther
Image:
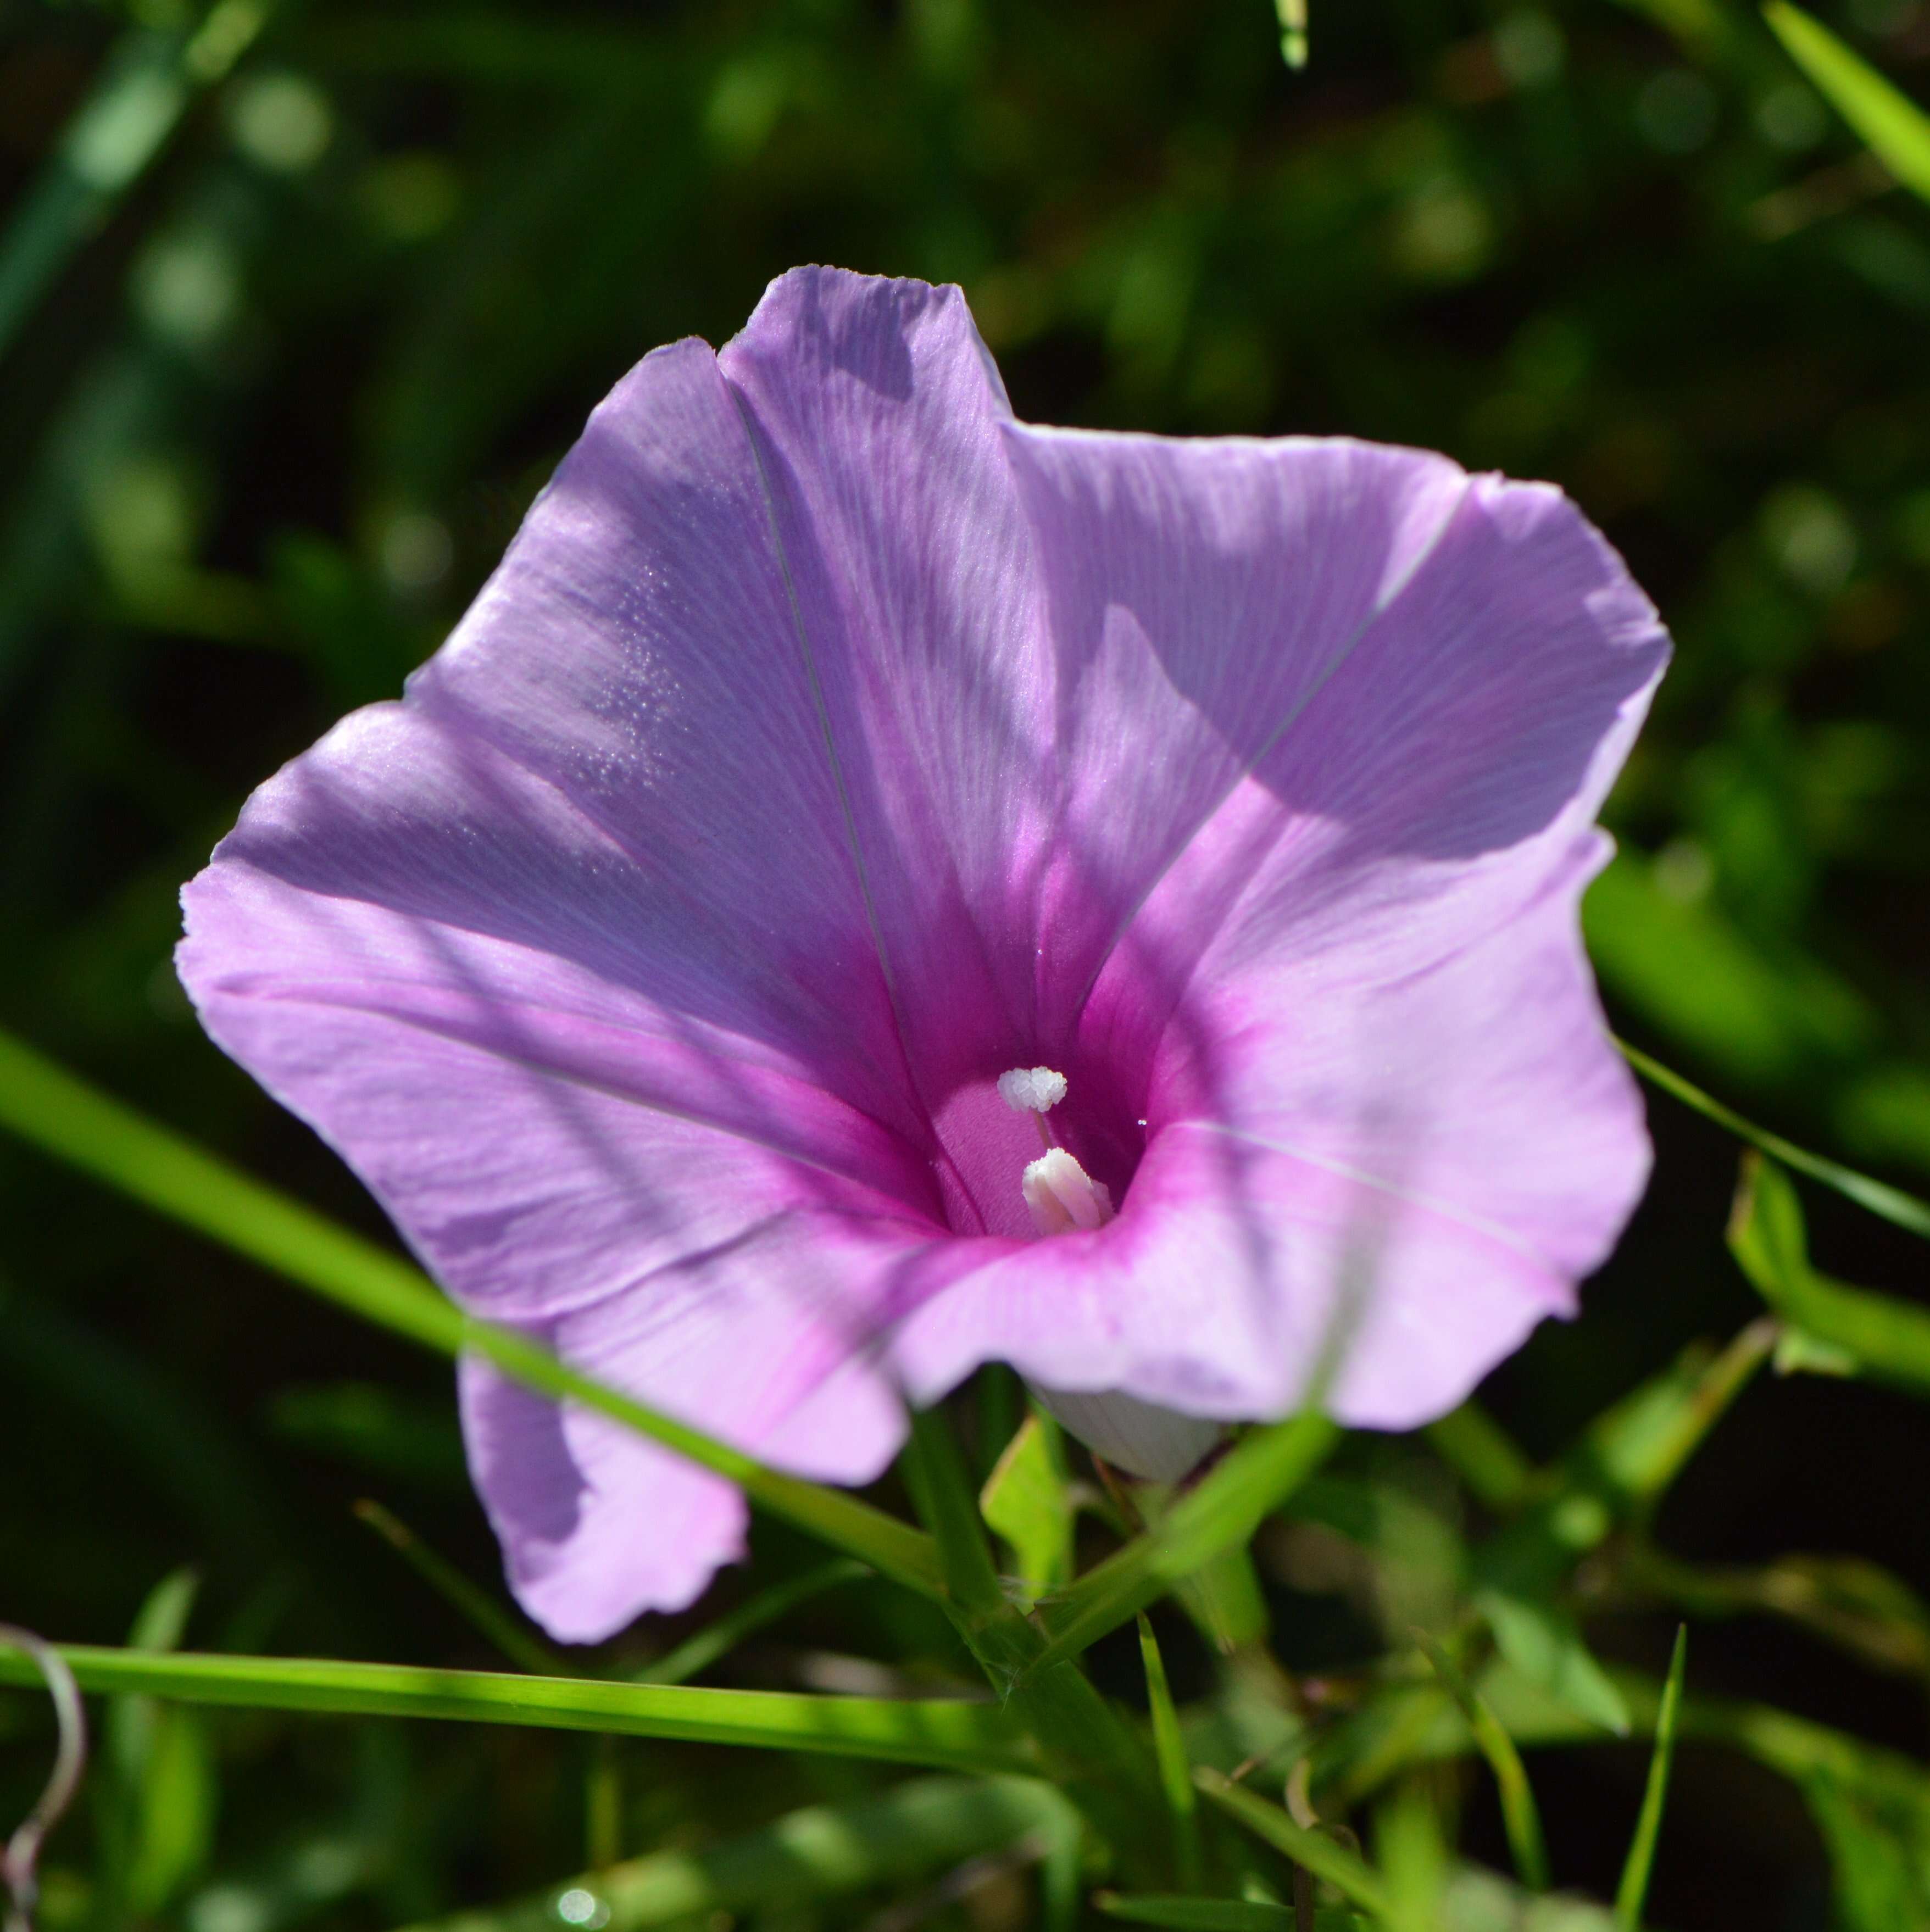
1031	1090
1063	1196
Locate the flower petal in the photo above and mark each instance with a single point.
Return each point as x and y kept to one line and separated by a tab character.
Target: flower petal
374	942
436	961
635	653
595	1523
877	417
1201	595
1308	686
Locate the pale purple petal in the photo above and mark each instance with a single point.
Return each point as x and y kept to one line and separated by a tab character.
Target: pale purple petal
1320	682
425	953
593	1522
373	943
743	1340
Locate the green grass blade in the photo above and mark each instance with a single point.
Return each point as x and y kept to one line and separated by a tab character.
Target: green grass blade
1894	128
1878	1336
63	1116
476	1606
158	1795
935	1473
1701	25
1325	1858
894	1837
1634	1888
1483	1454
1221	1512
162	1620
1225	1600
950	1735
1181	1914
1169	1751
697	1654
1519	1815
1026	1500
1543	1640
1890	1203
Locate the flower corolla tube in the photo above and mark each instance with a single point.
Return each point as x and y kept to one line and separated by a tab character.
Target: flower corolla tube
873	887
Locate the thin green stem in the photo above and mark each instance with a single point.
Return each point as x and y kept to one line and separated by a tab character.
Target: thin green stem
1520	1818
1483	1455
476	1606
1221	1512
1892	1204
935	1473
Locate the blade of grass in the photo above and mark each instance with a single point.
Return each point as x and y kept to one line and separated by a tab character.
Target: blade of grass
1169	1750
1414	1722
1324	1857
935	1473
892	1838
1859	1607
1090	1749
1483	1454
950	1735
1702	26
63	1116
1520	1818
1893	127
1890	1203
476	1606
1883	1338
1027	1501
1542	1638
603	1805
1181	1914
1634	1888
894	1549
1220	1513
697	1654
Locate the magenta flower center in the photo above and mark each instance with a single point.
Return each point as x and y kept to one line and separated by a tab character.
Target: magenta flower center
1020	1155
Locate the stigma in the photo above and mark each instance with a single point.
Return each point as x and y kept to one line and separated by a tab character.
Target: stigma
1063	1196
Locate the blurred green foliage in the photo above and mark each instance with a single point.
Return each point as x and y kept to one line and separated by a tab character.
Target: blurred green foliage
299	304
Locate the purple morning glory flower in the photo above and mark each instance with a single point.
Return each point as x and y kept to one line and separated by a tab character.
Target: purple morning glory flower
873	887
